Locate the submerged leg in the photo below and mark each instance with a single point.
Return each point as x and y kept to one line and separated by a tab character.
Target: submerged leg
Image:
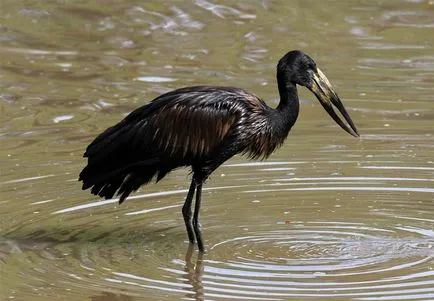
186	211
196	224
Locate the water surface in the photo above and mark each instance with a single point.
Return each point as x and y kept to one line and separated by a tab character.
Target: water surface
327	216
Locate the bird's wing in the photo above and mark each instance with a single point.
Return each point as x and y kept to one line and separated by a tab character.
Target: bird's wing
177	128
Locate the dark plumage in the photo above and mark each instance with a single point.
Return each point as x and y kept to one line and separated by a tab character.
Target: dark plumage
202	127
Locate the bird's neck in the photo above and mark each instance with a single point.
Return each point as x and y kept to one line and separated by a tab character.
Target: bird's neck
288	107
277	124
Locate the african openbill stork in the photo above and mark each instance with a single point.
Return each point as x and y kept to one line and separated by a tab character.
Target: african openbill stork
202	127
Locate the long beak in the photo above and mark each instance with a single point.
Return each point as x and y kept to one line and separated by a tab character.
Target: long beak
328	98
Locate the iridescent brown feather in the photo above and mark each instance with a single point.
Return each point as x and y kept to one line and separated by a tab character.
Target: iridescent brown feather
194	135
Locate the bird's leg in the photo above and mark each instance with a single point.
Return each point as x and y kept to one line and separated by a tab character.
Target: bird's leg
186	211
196	225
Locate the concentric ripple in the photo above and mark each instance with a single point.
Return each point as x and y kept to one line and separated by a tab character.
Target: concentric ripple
321	260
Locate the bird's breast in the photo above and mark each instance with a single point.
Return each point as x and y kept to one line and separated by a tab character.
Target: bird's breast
263	136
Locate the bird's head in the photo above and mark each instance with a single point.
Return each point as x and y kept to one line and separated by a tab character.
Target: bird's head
298	68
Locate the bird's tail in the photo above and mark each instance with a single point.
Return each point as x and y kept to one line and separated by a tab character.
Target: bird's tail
121	159
106	182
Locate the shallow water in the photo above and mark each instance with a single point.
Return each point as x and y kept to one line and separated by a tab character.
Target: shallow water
327	216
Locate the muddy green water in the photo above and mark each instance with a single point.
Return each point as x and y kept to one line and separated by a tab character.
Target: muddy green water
327	217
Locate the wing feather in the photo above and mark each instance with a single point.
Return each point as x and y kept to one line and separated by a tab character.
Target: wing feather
189	128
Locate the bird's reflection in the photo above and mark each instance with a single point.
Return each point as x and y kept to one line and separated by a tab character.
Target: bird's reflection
194	273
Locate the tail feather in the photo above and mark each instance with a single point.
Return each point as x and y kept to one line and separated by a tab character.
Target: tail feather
132	182
109	189
93	173
122	181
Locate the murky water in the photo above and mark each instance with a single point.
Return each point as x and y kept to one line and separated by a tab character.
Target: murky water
327	217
